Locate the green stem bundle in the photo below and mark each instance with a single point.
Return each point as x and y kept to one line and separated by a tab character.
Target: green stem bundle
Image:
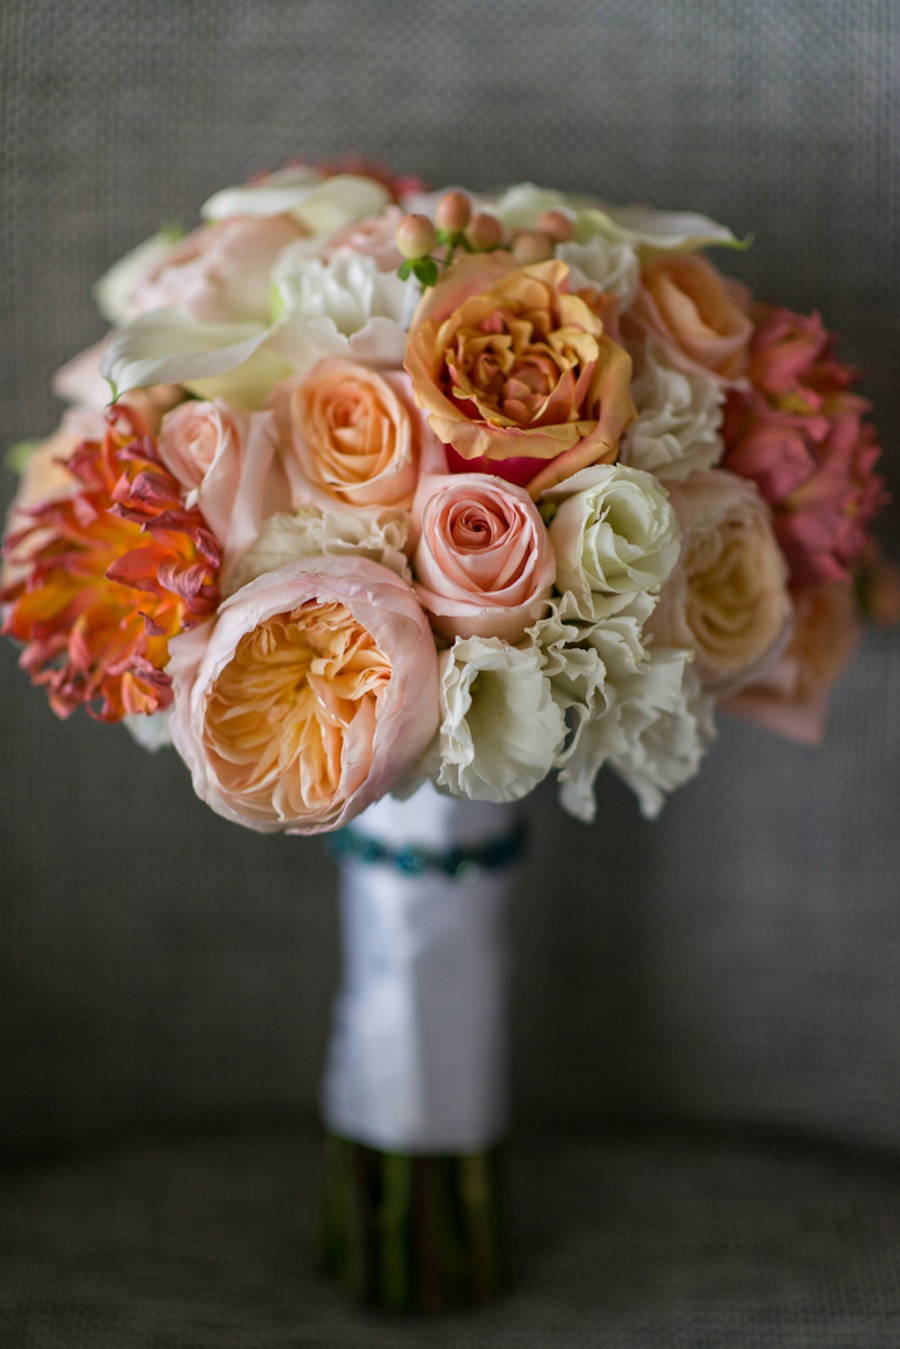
414	1233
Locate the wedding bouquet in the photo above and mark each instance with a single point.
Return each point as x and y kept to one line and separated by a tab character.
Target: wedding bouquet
370	488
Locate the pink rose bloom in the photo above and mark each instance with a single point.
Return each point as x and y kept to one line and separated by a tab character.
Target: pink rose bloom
799	434
228	461
351	433
484	562
311	694
696	313
791	699
220	272
518	375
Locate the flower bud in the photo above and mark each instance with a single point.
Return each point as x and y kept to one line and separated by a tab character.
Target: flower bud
454	211
415	236
555	224
484	232
530	246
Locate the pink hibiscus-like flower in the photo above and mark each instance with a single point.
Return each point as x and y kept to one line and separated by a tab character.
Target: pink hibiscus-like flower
313	693
801	436
484	562
516	373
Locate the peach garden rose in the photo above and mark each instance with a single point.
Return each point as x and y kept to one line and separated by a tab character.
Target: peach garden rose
697	315
518	374
312	695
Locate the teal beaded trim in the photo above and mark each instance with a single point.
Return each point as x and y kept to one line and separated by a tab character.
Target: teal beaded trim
461	864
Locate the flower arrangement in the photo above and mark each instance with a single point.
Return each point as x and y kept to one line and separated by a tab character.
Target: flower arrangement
370	488
359	466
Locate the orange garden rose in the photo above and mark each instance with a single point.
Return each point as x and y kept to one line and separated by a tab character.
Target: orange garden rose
517	374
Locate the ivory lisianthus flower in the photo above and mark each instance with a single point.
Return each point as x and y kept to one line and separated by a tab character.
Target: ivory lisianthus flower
516	373
500	727
799	433
121	567
483	562
311	696
354	433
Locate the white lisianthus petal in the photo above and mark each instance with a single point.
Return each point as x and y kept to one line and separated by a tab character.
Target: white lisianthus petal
652	232
611	265
500	727
347	288
151	733
113	291
652	727
614	534
379	535
320	205
679	414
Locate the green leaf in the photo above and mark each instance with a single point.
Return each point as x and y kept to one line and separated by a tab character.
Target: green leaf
426	270
405	271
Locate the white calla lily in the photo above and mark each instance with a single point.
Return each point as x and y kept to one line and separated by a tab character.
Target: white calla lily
652	232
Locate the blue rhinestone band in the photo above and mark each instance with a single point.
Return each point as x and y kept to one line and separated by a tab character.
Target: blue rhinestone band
461	864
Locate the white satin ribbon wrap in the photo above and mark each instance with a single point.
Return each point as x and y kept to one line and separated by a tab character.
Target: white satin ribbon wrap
417	1061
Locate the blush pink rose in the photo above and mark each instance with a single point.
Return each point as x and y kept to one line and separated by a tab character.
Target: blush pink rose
220	272
353	433
312	693
483	562
799	433
696	313
228	462
516	373
792	698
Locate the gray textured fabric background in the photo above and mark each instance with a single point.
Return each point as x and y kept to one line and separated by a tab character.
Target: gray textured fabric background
736	962
734	967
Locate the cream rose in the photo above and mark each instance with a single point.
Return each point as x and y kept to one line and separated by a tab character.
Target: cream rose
483	563
352	432
728	597
614	534
312	694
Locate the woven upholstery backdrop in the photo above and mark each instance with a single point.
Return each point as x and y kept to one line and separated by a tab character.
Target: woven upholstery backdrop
734	964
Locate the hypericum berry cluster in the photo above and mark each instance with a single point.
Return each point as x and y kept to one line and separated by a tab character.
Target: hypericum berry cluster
456	226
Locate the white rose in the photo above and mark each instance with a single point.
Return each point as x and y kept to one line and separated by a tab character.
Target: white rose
678	417
500	729
347	288
614	535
